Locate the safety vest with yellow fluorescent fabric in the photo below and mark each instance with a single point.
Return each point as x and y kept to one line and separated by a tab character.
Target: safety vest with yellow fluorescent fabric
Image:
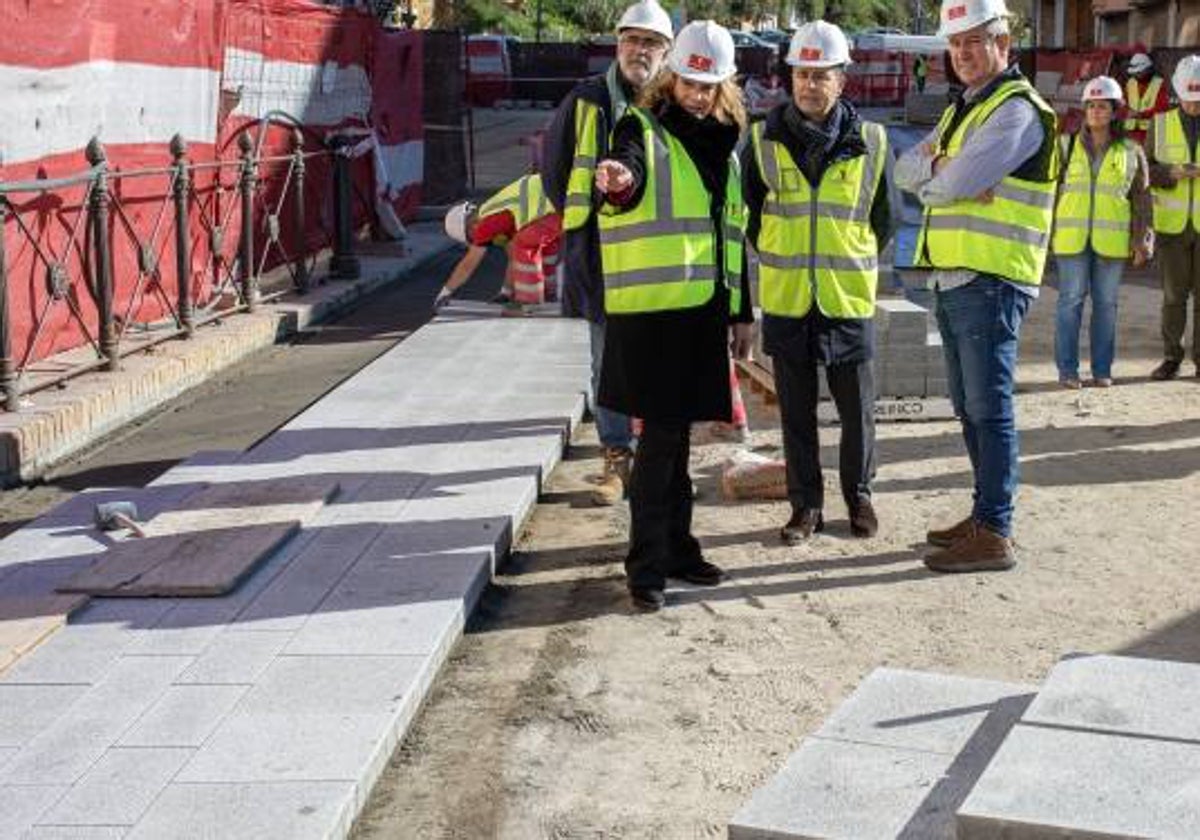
1095	209
1141	101
661	254
524	198
818	243
1007	234
1173	207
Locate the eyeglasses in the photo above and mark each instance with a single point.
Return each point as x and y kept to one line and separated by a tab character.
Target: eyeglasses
637	42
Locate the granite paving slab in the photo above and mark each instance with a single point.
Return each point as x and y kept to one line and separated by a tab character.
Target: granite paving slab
117	789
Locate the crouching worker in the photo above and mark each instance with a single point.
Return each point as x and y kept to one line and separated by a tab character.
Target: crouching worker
520	219
675	302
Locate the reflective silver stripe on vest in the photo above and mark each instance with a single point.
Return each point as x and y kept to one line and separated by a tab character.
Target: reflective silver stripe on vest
733	233
655	276
658	227
1032	198
866	196
802	262
973	224
770	162
576	200
583	162
801	209
1170	203
1098	224
664	204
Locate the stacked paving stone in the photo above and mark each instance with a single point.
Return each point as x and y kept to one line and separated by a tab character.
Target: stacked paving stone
908	357
1108	747
270	712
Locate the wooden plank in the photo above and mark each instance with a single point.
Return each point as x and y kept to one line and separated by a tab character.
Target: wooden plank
192	564
760	379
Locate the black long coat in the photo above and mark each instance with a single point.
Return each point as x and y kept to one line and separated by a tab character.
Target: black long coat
674	365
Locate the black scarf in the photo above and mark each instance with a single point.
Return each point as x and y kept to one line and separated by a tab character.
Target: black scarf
709	143
818	140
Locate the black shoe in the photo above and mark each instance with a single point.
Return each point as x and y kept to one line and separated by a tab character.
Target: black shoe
863	521
803	524
1169	369
701	573
648	598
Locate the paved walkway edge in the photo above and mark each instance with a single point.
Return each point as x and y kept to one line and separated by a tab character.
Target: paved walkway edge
59	423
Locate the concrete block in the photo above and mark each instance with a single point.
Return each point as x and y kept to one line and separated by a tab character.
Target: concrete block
831	790
295	810
183	716
1121	694
921	711
1046	782
62	752
21	805
335	684
26	710
234	658
118	788
278	747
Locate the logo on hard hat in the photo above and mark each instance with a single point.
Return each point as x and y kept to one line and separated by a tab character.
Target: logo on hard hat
810	53
699	62
1193	87
956	12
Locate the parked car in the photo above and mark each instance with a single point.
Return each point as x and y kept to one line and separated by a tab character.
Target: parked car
773	36
745	39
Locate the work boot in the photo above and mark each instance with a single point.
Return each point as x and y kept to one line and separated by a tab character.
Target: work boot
804	523
1169	369
863	521
610	487
946	537
701	573
648	598
982	551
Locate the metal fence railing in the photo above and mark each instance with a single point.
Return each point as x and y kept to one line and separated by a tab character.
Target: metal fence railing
64	241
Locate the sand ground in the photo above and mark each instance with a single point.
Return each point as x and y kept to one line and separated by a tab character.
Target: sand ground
563	714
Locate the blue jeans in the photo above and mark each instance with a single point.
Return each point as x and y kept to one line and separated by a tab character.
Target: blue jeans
1080	275
614	428
980	325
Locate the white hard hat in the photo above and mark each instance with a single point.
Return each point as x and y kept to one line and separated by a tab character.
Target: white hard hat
1140	63
1103	87
1186	80
818	44
648	15
456	221
960	15
704	53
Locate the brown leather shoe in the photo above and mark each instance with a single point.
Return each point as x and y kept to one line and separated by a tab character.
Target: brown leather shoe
946	537
863	521
983	551
613	483
804	523
1169	369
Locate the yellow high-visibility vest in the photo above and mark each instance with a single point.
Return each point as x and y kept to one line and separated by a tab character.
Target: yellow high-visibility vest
1139	102
524	198
578	203
1095	210
661	254
1173	207
1008	236
818	243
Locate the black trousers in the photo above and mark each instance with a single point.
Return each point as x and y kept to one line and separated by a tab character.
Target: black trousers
660	505
853	389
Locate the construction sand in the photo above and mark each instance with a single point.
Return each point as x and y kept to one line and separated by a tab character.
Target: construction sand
565	715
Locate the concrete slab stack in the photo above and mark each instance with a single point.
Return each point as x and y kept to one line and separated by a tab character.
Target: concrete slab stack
270	711
1107	749
908	359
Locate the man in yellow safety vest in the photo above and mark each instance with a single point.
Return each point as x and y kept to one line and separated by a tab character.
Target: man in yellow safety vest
815	181
577	138
1173	146
986	176
1145	96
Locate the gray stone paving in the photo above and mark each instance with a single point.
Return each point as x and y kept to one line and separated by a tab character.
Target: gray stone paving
270	712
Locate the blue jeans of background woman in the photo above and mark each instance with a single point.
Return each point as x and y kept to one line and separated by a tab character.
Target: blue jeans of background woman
1080	276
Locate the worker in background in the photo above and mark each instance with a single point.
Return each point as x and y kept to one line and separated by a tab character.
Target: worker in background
1145	94
1173	145
675	296
1101	220
578	137
816	185
518	218
920	70
987	176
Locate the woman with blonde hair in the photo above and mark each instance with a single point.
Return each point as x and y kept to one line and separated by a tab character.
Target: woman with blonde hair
675	300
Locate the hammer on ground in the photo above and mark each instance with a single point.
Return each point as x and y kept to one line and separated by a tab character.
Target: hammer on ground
113	516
